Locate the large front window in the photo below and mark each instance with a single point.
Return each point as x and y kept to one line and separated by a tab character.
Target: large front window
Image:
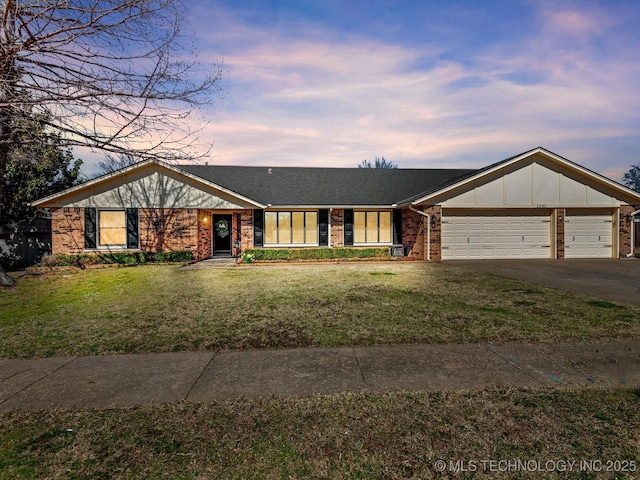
371	227
112	227
291	228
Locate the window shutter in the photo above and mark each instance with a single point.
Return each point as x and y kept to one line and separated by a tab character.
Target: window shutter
132	228
348	227
323	224
397	226
89	228
258	228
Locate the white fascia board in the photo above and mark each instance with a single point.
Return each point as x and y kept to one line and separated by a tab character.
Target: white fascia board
306	207
109	176
548	154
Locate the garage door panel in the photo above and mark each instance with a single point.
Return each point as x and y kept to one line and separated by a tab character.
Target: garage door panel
495	236
588	236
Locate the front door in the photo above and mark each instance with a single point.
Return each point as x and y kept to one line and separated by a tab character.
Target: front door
222	235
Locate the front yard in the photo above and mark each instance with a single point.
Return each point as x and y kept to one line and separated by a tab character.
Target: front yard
589	433
160	308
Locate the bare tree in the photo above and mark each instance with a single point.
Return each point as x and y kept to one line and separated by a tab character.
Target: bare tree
632	178
111	75
378	163
112	163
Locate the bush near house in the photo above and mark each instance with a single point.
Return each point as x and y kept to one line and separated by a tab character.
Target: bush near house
288	254
122	258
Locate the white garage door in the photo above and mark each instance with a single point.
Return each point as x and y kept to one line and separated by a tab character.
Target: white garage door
588	236
495	236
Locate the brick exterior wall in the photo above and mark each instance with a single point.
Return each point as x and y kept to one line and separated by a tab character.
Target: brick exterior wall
67	230
205	236
337	228
168	229
625	229
246	229
561	213
413	235
436	232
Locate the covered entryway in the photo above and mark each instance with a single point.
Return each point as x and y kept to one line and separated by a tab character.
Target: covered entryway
588	234
486	235
222	229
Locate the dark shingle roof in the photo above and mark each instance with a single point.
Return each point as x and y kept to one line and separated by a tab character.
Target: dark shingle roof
325	186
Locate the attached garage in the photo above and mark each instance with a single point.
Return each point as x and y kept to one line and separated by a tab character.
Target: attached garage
485	235
588	234
532	206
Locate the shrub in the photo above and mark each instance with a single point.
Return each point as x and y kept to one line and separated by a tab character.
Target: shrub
288	254
115	258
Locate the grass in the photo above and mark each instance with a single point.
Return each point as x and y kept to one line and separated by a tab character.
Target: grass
372	436
160	308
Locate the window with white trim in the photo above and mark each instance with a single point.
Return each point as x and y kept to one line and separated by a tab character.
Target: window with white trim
291	228
372	226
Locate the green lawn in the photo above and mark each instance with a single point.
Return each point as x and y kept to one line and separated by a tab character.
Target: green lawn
396	435
369	436
159	308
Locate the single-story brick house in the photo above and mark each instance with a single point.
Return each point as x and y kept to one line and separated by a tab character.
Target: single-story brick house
533	205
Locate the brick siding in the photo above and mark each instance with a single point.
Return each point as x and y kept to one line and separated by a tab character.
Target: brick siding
337	227
168	229
205	236
67	232
625	229
413	236
561	213
436	233
246	229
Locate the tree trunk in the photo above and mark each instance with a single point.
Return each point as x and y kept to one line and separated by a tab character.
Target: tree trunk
7	70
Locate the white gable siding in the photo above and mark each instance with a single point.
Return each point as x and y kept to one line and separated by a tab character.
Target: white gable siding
152	187
531	185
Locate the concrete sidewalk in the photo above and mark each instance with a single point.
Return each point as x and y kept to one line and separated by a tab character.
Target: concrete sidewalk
129	380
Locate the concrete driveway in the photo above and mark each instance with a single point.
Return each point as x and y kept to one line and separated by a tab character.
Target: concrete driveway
609	279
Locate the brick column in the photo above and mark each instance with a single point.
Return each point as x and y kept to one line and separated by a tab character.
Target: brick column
337	227
246	229
205	236
435	211
561	213
625	227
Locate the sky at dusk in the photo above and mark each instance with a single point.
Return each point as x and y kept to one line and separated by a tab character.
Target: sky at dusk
426	84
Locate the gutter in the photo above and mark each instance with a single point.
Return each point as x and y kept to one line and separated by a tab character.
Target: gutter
428	229
633	227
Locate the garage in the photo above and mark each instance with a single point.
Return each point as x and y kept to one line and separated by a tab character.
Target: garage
588	235
522	234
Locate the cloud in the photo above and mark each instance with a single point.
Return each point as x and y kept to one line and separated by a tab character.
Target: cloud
305	93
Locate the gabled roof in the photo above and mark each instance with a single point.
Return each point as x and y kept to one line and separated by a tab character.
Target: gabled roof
102	179
334	187
292	186
477	174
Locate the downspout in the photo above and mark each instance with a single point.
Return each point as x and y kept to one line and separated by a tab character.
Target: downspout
428	229
329	229
633	227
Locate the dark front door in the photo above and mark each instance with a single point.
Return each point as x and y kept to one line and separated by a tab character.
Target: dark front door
222	235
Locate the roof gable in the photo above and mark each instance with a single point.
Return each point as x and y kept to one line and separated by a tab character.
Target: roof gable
554	181
150	183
